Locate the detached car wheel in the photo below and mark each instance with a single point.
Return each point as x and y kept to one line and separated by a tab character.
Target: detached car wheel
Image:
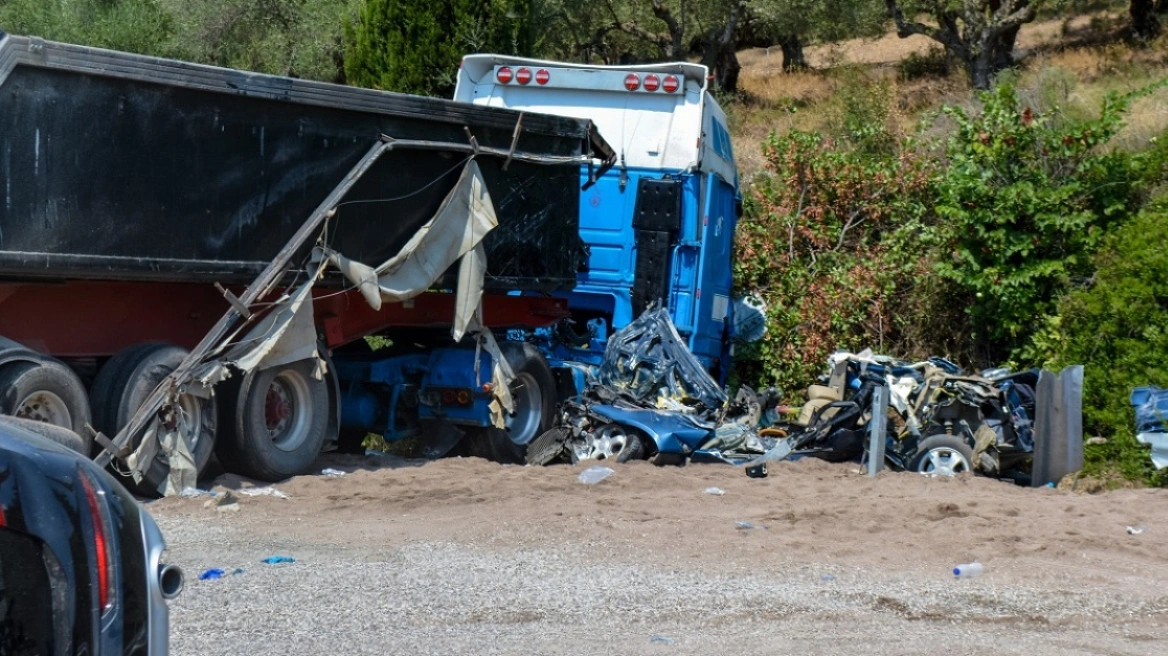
943	455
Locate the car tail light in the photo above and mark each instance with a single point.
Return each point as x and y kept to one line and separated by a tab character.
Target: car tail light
3	520
542	76
504	75
632	82
103	553
652	83
523	76
670	84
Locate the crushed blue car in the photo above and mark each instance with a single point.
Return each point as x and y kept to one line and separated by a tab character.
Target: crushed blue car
652	399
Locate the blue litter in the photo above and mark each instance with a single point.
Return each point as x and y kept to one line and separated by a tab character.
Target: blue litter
661	640
237	572
211	575
276	560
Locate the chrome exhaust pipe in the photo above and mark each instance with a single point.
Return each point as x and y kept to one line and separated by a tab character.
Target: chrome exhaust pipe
170	581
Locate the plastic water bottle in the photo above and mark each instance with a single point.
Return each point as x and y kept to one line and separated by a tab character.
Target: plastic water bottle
967	571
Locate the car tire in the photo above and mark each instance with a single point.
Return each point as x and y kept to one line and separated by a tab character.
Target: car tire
943	455
46	391
275	423
615	442
123	385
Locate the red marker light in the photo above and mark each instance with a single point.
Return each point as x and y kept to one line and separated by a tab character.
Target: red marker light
542	76
504	75
652	83
632	82
523	76
670	84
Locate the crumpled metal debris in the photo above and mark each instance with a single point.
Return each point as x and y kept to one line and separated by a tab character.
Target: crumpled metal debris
993	413
1151	406
651	395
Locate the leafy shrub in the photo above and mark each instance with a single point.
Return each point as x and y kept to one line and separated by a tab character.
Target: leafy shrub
817	245
934	62
1022	202
1117	327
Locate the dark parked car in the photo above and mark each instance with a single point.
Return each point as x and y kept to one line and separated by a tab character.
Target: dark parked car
80	569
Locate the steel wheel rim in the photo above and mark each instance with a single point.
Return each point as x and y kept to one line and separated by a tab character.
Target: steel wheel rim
47	407
287	405
523	424
944	461
190	409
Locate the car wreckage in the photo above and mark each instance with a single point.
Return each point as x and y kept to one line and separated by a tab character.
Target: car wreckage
650	398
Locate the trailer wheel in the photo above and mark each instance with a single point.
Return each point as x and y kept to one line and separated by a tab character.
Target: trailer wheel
534	394
45	391
121	387
277	423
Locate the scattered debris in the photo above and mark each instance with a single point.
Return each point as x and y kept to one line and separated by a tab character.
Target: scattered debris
262	492
192	492
1135	530
228	502
332	473
827	578
594	475
968	570
1151	406
661	640
276	560
716	491
747	526
211	574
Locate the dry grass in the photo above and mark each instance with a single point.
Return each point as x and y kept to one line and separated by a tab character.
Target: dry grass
1072	64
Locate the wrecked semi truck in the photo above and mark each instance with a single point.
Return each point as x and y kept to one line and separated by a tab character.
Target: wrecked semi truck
190	258
659	225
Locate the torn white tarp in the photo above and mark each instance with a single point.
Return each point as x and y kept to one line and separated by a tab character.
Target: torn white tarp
286	334
158	439
463	220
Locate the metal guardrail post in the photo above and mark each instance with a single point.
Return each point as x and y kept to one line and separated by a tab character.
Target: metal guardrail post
877	426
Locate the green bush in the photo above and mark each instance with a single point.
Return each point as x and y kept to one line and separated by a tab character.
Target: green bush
1117	327
934	62
415	46
1022	202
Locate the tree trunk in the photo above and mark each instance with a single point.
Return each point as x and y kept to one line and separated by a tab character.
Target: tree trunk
1145	24
980	68
1003	49
793	58
726	76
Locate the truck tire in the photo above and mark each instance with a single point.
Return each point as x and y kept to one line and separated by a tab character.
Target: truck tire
62	436
534	393
275	422
46	391
121	387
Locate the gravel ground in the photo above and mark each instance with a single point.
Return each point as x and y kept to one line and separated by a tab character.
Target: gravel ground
529	561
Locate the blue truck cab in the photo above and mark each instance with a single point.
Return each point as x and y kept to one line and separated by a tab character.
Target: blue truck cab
659	226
